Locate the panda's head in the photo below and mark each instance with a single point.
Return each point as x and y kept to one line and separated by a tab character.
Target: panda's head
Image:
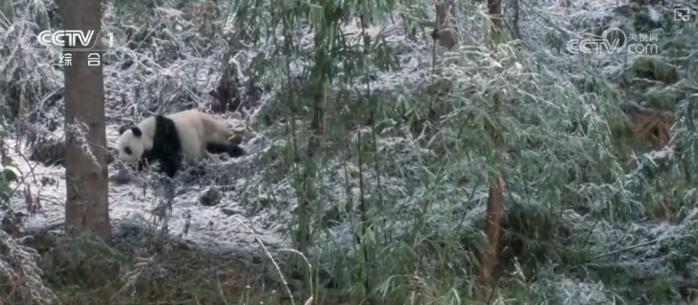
131	144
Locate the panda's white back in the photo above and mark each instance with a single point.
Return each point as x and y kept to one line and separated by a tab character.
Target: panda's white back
190	130
196	129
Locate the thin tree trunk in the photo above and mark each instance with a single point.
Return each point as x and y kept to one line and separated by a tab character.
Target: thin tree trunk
495	213
517	29
495	10
87	208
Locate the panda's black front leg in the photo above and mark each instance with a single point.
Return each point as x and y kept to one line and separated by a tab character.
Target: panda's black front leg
146	160
141	164
170	165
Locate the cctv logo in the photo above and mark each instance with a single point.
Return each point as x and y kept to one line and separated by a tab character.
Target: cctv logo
613	41
72	37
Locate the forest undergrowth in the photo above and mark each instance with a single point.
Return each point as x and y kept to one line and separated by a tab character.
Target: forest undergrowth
374	146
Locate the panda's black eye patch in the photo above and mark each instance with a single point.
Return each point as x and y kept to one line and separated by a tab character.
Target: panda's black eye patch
127	150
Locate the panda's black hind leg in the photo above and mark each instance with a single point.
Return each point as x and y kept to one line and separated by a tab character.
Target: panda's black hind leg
235	151
216	148
231	149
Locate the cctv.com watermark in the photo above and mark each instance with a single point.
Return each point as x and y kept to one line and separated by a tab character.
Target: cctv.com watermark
614	40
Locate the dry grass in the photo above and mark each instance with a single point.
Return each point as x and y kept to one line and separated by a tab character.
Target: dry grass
85	271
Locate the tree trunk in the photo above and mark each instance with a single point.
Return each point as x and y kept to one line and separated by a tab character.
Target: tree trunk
87	207
495	10
495	213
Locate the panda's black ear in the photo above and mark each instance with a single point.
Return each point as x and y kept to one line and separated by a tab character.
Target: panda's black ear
122	129
136	132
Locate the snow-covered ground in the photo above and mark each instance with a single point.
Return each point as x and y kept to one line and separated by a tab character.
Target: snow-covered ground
228	225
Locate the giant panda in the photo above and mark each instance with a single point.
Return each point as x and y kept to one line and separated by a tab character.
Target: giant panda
169	139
